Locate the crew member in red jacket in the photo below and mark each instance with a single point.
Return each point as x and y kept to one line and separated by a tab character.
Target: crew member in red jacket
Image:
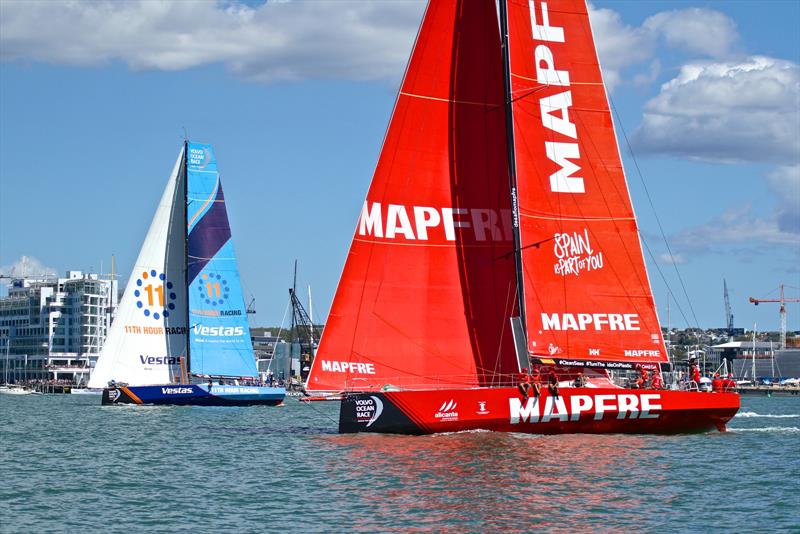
536	381
657	382
524	384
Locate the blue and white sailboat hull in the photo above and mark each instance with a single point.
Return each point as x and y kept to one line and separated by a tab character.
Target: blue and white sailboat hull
194	395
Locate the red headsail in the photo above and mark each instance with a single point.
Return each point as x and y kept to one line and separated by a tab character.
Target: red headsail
429	283
587	295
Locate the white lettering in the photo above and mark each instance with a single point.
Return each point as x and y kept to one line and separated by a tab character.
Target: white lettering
562	124
647	405
348	367
591	321
628	404
529	412
544	32
425	218
554	408
562	180
600	406
545	71
397	221
578	405
370	222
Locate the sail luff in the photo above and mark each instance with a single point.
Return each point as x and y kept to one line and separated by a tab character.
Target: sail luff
186	368
512	169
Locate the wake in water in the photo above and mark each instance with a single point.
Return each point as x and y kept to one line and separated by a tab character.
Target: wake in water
769	415
776	429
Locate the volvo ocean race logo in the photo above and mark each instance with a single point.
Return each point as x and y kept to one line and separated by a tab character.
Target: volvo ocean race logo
447	411
199	157
114	395
368	410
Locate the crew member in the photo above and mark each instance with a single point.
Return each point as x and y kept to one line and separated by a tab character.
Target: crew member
552	383
716	384
657	382
536	381
580	380
524	384
696	373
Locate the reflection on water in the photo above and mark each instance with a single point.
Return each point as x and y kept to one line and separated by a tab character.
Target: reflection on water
497	479
69	464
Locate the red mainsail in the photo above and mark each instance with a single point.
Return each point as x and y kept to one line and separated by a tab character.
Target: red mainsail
587	294
429	283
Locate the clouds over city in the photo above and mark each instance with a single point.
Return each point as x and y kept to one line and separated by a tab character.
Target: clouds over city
26	266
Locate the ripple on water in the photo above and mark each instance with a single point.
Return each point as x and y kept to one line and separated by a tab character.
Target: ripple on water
69	464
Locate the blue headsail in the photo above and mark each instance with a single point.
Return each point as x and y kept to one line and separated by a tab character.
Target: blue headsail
219	336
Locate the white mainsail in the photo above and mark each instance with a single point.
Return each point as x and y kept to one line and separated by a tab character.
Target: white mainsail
148	334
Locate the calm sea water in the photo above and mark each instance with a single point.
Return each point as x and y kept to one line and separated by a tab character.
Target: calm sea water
68	464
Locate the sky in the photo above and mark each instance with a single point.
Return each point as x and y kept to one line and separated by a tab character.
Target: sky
295	96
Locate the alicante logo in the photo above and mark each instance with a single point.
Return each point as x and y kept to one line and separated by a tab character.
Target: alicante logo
214	289
154	294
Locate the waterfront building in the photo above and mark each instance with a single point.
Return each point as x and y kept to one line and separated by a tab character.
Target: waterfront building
53	328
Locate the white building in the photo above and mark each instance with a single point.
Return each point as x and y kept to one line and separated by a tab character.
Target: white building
54	328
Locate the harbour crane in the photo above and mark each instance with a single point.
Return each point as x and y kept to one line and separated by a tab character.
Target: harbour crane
782	300
728	312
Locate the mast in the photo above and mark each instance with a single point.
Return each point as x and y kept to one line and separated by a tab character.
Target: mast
512	166
186	249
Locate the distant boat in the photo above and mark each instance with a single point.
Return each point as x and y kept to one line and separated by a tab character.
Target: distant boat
498	232
12	389
85	391
181	333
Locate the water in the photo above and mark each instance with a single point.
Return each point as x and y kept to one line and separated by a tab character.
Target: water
66	463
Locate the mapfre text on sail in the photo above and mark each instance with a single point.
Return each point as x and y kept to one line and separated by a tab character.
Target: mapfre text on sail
555	108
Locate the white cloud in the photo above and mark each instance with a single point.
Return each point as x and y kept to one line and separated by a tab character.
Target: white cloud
26	266
618	45
735	226
275	41
675	258
727	111
698	30
271	42
621	46
785	183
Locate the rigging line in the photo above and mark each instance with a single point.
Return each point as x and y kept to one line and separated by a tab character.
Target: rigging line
652	207
285	311
664	278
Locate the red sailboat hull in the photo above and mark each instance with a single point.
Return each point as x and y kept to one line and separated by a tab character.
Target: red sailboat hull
577	410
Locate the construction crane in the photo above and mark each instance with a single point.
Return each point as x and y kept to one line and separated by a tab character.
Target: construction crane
783	300
728	312
302	330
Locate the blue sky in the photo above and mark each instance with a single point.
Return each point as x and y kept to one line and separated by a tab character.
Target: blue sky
295	97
